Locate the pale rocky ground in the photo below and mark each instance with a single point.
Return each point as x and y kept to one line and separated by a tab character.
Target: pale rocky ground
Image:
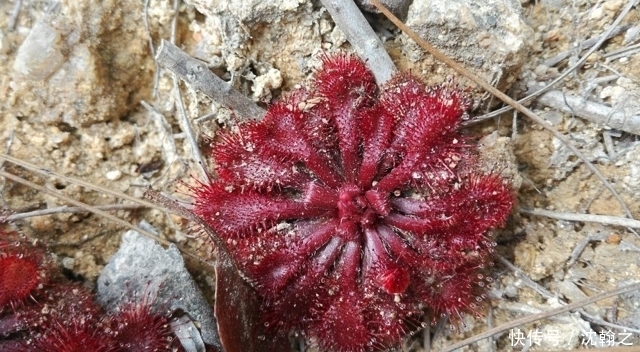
77	111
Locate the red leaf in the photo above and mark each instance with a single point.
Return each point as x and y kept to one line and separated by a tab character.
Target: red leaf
237	309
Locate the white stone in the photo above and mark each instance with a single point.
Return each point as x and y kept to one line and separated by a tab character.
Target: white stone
113	175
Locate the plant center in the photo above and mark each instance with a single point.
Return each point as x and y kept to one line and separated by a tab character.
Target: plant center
354	206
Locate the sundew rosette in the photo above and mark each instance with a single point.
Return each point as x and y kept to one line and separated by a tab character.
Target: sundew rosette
352	208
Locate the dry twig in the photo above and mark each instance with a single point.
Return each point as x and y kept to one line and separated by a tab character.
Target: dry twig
602	219
104	190
548	295
91	208
623	52
168	146
589	43
577	251
156	73
170	204
535	317
199	77
11	24
87	207
66	209
591	111
362	37
184	122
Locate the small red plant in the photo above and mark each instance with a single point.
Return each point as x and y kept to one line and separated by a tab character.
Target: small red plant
353	208
67	320
23	270
41	311
138	328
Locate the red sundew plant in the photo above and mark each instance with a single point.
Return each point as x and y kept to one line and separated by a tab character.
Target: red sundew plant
42	311
63	317
68	320
138	328
24	271
352	208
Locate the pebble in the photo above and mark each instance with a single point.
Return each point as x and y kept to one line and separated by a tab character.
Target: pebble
113	175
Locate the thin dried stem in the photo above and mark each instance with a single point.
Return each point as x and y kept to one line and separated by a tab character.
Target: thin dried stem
580	247
223	254
479	81
589	43
67	209
602	219
599	321
543	315
622	52
11	23
522	275
168	147
99	212
174	21
548	295
591	111
426	334
156	73
185	124
77	203
9	145
46	172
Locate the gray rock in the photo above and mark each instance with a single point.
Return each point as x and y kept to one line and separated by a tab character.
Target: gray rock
141	265
40	55
496	155
489	37
188	334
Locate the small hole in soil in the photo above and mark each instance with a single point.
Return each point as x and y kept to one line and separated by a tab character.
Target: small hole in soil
65	127
69	274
